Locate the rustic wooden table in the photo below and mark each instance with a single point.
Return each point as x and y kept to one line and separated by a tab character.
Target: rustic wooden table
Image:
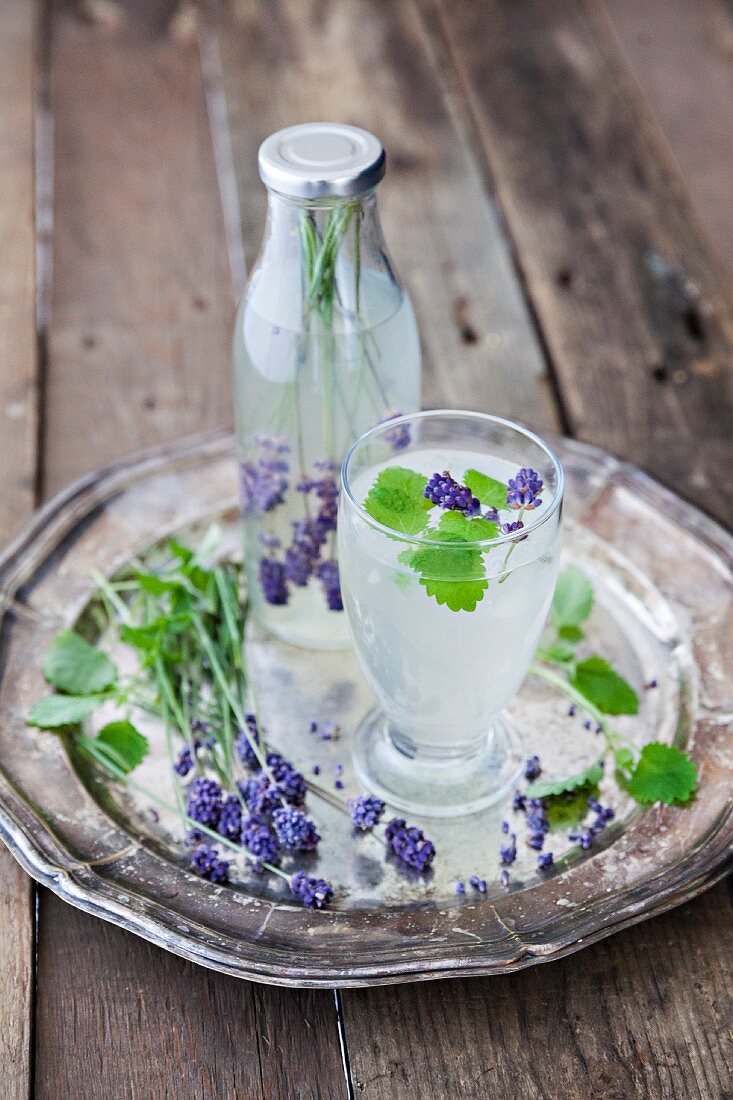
558	201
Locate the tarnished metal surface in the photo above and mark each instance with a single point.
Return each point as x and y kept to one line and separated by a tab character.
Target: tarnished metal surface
664	610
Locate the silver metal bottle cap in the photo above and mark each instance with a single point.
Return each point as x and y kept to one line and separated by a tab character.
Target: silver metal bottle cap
321	160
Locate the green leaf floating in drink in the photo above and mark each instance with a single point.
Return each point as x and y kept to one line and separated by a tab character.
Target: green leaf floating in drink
396	500
451	571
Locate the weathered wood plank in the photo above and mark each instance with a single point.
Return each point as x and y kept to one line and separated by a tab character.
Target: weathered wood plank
635	309
118	1017
18	377
142	302
582	176
646	1013
370	63
680	53
18	432
139	352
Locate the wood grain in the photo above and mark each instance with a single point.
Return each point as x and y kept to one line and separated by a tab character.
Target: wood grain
142	302
647	1013
119	1017
635	309
139	352
682	56
370	63
18	431
18	377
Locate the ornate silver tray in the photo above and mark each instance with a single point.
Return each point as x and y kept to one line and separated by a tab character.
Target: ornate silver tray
664	610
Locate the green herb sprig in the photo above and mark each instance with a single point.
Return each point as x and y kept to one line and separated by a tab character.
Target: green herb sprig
657	772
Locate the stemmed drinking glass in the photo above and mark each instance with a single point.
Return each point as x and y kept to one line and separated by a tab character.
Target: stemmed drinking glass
447	595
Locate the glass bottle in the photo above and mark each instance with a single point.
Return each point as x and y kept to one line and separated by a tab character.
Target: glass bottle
325	347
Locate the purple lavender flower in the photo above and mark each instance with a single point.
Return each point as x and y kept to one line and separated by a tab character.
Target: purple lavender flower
365	811
259	841
313	892
504	878
544	860
478	884
203	801
492	515
444	491
508	852
290	782
230	818
524	489
184	762
519	802
272	542
328	574
272	581
532	768
262	486
410	844
536	817
298	565
260	797
584	838
536	841
327	731
245	752
399	436
510	528
460	888
206	863
295	831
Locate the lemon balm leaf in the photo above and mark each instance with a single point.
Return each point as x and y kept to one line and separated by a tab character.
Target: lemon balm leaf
601	685
125	745
550	787
396	499
74	666
572	603
490	492
472	529
451	574
663	774
56	711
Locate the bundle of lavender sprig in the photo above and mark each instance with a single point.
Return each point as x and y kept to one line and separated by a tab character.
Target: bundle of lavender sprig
186	623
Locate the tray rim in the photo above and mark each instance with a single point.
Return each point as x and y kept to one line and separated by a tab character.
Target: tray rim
78	884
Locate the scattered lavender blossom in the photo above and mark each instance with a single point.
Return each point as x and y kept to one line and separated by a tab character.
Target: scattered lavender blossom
183	762
410	844
544	860
230	818
508	852
460	887
259	841
207	863
259	795
289	782
365	811
532	768
312	892
204	801
295	831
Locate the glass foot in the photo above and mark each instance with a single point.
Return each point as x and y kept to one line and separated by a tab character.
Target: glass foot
437	788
